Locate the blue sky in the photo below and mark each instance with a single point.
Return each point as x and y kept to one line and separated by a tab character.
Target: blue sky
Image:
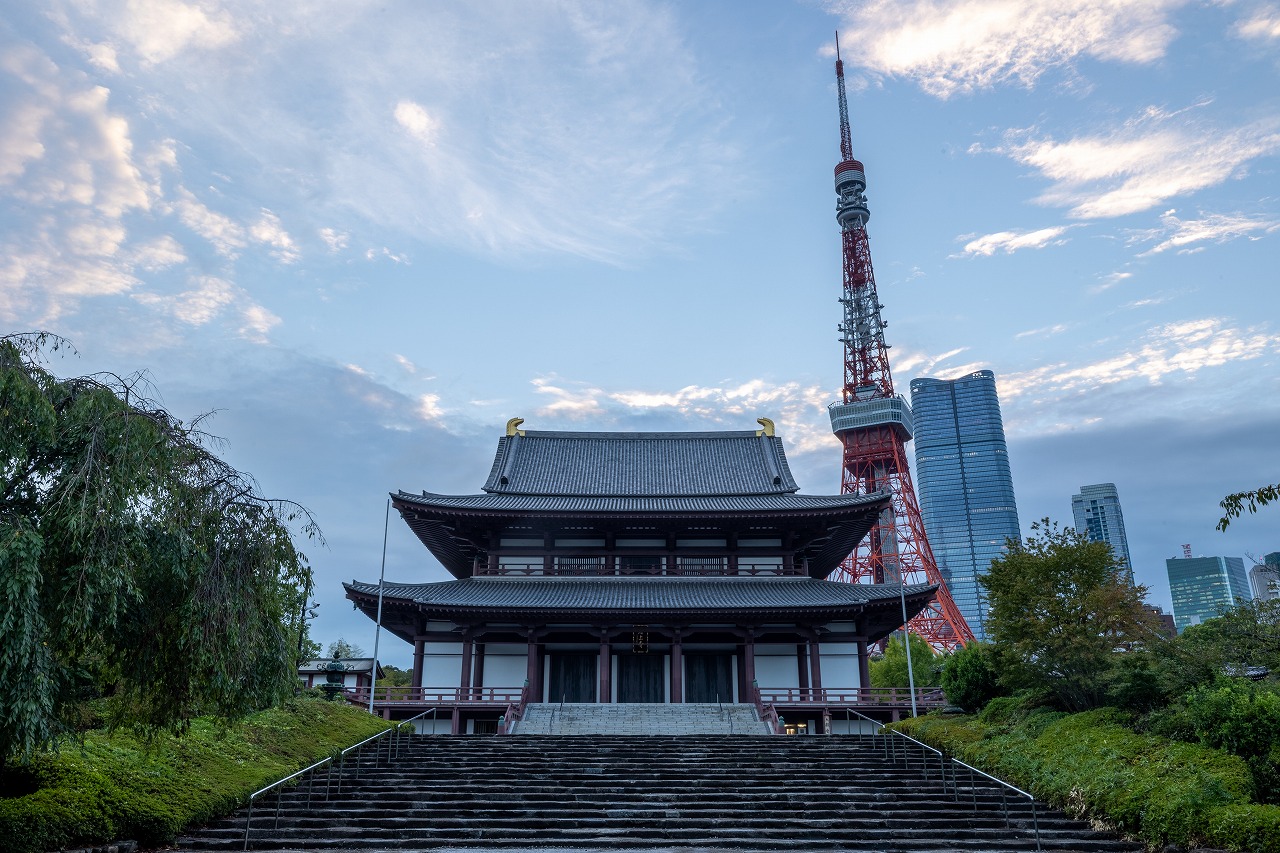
366	234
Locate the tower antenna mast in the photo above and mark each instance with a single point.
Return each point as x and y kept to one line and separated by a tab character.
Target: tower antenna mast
874	424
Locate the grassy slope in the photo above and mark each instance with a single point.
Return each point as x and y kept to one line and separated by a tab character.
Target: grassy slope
117	786
1091	764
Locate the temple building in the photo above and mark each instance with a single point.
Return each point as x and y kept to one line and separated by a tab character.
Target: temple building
637	567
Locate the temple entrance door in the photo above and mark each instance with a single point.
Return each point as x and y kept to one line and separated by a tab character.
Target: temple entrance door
573	677
640	678
708	678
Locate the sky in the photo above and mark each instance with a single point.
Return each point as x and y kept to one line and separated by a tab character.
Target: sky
365	234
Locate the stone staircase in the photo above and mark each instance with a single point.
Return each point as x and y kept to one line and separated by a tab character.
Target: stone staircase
652	793
640	719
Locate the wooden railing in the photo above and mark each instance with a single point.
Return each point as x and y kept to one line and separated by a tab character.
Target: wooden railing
764	696
927	697
620	567
433	696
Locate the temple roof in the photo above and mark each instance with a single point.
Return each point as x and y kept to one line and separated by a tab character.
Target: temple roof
623	599
573	504
640	464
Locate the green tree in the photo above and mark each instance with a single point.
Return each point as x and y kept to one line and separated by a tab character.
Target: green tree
1233	506
394	676
1060	608
1244	636
890	669
135	564
970	677
340	648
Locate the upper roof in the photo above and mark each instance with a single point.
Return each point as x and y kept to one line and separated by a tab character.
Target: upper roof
640	464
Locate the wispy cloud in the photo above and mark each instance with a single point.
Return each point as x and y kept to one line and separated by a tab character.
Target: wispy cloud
584	129
1009	242
1263	24
1167	351
956	46
1042	332
210	298
1184	234
1147	161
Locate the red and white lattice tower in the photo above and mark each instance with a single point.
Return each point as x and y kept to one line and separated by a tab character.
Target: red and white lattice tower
874	424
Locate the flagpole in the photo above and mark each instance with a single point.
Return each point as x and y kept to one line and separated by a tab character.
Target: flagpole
377	631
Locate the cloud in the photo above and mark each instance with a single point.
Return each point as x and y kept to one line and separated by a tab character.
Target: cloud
270	231
1011	241
209	299
1180	234
569	128
1147	161
156	31
225	234
334	239
420	124
1264	24
1043	332
1058	396
958	46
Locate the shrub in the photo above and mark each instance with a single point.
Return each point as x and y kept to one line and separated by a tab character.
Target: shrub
1093	765
116	786
970	678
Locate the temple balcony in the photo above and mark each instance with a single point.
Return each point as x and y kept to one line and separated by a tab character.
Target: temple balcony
639	566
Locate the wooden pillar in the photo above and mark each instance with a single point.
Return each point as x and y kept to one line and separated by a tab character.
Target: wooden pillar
815	664
477	680
465	684
749	663
864	669
534	672
802	666
677	669
605	694
419	655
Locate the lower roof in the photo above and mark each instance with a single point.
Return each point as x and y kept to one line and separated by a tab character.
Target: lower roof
878	607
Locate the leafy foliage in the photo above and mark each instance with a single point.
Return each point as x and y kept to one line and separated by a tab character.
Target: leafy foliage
1244	636
116	785
1060	607
394	676
970	677
340	648
890	670
1233	506
1094	765
1236	716
134	563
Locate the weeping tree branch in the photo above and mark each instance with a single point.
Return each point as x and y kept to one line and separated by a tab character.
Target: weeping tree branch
1233	506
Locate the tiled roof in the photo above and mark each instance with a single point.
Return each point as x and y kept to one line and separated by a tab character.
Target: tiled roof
640	464
634	595
647	504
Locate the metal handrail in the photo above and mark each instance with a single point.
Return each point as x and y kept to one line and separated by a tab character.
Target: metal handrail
395	728
943	759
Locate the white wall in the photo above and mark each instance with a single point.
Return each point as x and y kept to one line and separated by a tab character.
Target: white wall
442	666
776	667
839	663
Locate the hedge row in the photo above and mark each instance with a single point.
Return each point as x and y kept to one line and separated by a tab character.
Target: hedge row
116	786
1093	765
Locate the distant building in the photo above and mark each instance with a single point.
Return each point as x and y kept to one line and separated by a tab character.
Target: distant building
966	488
1098	517
357	672
1265	578
1203	587
1165	620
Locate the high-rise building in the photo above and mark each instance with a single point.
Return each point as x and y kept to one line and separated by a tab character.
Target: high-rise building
1203	587
966	488
1265	578
1098	517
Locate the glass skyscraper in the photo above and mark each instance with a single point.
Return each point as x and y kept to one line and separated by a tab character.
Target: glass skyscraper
1202	587
1098	517
966	488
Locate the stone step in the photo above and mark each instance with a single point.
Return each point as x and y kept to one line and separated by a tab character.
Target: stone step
649	793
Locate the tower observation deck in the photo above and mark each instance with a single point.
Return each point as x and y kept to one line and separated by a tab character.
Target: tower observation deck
874	424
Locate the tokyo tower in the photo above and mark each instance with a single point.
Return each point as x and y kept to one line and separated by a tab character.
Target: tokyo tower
874	424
